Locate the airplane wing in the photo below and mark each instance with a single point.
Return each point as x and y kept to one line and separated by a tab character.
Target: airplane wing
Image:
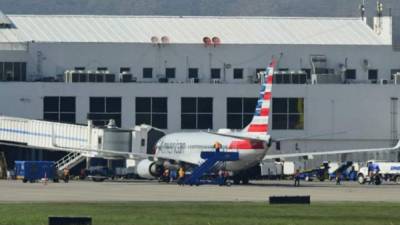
335	152
308	136
252	138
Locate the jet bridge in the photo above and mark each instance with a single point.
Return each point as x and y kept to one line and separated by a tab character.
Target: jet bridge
80	141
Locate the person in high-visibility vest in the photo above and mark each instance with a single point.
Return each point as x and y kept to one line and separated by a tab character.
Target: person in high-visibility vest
181	176
66	174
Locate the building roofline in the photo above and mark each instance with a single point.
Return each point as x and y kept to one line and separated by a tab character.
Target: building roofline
182	17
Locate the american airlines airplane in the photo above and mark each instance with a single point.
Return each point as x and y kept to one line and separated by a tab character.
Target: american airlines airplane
251	143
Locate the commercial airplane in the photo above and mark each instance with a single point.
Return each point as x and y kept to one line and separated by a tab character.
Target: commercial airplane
251	143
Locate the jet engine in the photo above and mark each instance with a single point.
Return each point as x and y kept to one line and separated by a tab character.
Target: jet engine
148	169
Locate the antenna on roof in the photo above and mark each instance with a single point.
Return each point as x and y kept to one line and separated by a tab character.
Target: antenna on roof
379	8
379	14
362	9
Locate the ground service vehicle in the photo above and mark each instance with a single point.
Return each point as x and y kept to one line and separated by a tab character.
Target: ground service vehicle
389	171
33	171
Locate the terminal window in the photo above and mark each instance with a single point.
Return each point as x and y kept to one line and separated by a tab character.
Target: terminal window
193	73
373	74
237	73
102	109
12	71
350	74
59	109
283	76
288	113
196	113
170	73
152	111
147	72
240	111
215	73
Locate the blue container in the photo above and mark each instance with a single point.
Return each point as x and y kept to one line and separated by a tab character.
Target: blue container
35	170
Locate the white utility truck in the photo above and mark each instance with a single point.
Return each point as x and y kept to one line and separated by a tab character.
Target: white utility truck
388	171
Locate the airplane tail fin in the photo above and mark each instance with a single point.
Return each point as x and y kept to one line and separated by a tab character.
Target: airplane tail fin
259	123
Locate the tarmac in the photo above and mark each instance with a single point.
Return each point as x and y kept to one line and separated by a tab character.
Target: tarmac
127	191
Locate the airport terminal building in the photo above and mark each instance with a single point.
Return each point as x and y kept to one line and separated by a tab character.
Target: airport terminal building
336	84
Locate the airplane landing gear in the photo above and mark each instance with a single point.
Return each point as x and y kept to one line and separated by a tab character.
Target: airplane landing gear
237	179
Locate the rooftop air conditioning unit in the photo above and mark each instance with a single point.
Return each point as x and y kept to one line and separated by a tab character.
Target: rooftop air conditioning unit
126	77
215	81
72	76
396	78
314	79
193	80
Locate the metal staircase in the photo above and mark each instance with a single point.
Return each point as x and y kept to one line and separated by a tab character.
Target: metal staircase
212	158
70	160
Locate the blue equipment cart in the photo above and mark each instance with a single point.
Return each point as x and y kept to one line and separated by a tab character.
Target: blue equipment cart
35	170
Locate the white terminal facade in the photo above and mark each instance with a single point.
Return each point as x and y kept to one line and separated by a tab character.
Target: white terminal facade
335	84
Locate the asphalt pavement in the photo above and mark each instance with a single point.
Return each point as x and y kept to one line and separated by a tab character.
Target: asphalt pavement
259	191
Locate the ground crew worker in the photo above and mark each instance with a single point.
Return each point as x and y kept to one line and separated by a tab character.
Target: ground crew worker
181	176
338	178
165	176
226	176
221	177
217	146
370	171
297	178
375	173
172	175
66	174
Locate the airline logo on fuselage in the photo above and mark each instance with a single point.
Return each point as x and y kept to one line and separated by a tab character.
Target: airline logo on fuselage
172	148
177	148
395	168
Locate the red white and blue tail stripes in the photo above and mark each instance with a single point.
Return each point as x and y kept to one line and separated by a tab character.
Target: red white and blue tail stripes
259	123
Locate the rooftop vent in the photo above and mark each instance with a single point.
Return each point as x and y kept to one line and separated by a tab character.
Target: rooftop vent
165	39
216	41
5	22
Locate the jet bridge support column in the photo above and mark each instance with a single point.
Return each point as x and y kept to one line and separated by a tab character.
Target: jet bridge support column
87	162
109	163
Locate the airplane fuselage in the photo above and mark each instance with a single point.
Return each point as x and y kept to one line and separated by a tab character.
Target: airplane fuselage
186	147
